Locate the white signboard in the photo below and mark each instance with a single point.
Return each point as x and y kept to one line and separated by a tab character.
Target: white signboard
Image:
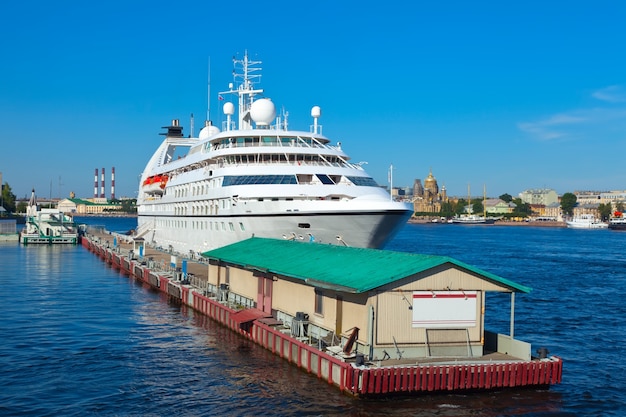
444	309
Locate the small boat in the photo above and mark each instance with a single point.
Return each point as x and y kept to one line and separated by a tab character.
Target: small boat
618	221
586	221
47	226
472	219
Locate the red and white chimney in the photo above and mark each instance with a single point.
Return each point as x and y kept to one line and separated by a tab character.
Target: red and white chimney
95	185
102	185
113	183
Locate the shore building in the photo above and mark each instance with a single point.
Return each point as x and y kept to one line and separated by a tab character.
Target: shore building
498	206
380	302
428	197
87	206
542	196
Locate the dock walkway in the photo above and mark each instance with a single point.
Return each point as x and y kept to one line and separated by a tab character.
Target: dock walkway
164	270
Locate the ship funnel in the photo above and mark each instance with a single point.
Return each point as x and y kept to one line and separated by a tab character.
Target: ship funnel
174	130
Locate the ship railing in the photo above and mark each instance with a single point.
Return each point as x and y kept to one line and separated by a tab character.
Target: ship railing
342	164
274	142
199	282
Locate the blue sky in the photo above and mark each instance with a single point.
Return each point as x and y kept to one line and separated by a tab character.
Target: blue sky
505	95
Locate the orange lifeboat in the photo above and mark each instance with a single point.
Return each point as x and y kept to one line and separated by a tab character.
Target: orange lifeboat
155	184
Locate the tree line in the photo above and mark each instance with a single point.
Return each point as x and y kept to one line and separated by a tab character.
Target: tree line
521	209
8	200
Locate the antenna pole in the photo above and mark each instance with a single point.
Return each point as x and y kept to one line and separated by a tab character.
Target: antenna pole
391	182
208	95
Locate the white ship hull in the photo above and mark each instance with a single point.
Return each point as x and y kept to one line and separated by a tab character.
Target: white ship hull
260	180
195	234
586	221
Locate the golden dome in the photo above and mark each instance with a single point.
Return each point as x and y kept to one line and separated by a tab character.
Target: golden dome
430	178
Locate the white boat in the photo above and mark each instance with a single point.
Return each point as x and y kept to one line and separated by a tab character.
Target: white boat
257	177
47	226
586	221
472	219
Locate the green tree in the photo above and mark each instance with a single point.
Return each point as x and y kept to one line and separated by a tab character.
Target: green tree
619	206
568	202
447	209
477	207
605	211
506	198
129	206
522	209
21	207
459	207
8	198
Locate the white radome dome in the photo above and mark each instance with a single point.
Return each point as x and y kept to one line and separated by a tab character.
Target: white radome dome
208	131
229	108
316	111
263	111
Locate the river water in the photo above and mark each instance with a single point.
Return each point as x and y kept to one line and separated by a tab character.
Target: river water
80	339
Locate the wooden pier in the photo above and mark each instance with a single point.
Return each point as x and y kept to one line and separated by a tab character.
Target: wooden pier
404	378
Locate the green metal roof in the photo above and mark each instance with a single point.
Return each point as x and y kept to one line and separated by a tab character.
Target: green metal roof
90	203
81	201
354	270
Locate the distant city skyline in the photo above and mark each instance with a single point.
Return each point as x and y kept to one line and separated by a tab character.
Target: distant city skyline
506	95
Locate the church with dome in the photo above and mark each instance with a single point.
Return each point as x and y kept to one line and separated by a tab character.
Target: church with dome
427	198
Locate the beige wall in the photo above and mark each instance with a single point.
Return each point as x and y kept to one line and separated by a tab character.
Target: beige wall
391	304
392	316
291	297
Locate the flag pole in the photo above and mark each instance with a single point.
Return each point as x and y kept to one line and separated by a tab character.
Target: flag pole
391	182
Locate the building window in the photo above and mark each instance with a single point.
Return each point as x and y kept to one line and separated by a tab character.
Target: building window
319	302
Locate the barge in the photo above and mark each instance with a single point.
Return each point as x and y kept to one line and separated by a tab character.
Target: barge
449	353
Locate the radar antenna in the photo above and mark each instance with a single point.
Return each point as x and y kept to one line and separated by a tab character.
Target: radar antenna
244	73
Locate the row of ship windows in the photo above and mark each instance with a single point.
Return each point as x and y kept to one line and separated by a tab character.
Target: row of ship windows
291	179
211	207
230	180
201	208
200	225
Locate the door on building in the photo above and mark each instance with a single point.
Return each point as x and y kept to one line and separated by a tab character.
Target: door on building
264	296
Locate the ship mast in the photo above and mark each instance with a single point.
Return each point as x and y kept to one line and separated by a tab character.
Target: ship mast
244	70
484	201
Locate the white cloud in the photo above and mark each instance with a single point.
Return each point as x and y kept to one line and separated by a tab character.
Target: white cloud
546	129
582	123
611	94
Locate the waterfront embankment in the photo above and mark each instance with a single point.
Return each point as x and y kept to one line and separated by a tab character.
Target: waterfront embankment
431	220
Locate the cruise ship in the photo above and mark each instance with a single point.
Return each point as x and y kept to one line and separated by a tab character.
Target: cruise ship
255	176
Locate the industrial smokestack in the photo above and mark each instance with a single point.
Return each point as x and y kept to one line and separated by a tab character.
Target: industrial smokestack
102	185
95	185
113	183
